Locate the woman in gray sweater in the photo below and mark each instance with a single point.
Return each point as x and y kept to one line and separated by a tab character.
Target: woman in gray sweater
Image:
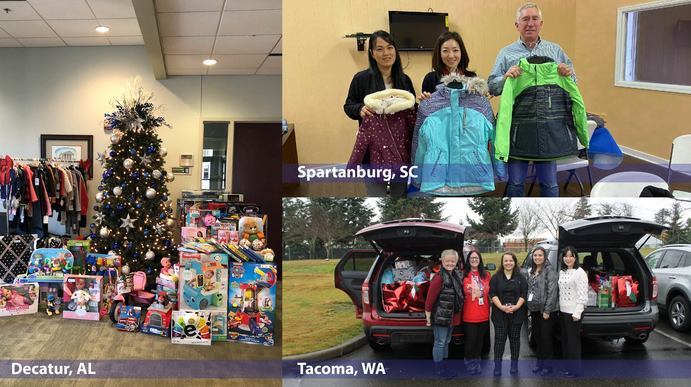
543	286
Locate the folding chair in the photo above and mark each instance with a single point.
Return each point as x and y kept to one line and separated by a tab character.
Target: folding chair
626	184
680	162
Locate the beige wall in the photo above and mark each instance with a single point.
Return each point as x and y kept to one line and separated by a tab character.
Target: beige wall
67	91
318	64
644	120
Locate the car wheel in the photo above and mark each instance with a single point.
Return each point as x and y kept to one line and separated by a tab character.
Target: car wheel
378	346
678	314
114	312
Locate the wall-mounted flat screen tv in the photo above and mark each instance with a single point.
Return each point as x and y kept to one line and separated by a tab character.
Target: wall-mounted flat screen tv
417	31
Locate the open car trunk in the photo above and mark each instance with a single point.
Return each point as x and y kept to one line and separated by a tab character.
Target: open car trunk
411	248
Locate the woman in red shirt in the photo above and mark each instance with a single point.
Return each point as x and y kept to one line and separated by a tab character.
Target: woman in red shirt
475	309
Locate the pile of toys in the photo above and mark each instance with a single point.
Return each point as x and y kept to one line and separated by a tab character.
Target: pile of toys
614	291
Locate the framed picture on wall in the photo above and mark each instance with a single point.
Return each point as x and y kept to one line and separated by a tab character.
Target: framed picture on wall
68	147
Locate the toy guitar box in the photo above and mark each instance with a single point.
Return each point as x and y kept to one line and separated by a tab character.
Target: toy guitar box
203	282
18	299
82	296
50	264
191	327
79	250
251	303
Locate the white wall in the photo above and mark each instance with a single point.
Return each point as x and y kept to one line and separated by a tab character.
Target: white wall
67	90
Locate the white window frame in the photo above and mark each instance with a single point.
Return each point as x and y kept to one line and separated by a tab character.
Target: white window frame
621	56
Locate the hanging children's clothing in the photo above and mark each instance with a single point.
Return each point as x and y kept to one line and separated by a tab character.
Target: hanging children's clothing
453	142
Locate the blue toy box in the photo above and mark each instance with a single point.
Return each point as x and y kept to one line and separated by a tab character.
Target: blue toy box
252	302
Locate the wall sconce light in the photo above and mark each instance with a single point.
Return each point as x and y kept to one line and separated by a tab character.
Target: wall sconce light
361	38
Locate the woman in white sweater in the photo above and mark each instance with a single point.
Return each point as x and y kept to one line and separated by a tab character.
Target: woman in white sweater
573	296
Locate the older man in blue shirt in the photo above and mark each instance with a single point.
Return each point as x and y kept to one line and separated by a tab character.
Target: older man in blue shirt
528	23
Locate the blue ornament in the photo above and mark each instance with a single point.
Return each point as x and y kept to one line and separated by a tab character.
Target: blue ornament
123	184
120	207
113	153
136	255
150	150
92	225
167	242
146	175
162	216
138	205
146	232
133	151
115	246
164	198
130	245
101	188
92	236
135	175
106	207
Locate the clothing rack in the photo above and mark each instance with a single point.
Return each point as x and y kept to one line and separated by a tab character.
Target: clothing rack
49	160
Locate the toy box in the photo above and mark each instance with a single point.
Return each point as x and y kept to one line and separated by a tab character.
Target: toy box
251	303
219	326
48	264
18	299
157	320
82	296
191	327
79	250
203	282
190	233
129	318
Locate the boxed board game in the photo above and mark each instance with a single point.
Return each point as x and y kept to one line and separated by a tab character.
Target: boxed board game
191	327
251	303
18	299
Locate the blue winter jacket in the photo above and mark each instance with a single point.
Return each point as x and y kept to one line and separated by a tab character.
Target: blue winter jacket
453	142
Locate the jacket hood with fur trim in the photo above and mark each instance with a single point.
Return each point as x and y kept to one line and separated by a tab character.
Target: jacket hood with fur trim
390	101
473	85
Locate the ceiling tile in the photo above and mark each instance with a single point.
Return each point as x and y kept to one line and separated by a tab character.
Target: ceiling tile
268	71
122	27
75	28
188	6
251	23
41	42
126	40
5	42
188	44
232	5
111	9
185	61
248	71
188	24
88	41
62	9
238	61
260	44
176	71
273	62
20	10
27	29
4	34
279	47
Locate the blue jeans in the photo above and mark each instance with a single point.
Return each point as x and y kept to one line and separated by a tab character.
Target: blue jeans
442	338
546	174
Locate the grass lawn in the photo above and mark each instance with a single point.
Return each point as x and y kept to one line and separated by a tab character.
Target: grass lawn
316	315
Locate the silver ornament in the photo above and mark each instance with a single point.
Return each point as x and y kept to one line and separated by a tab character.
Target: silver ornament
170	177
127	223
170	222
128	163
104	232
163	152
117	191
150	255
150	193
125	270
156	174
115	139
99	196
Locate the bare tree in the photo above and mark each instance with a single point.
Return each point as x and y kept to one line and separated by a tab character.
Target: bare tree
623	209
528	222
552	213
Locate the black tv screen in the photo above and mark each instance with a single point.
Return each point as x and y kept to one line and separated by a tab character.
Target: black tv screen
417	31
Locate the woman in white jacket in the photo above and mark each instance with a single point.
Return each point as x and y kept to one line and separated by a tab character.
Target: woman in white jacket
573	296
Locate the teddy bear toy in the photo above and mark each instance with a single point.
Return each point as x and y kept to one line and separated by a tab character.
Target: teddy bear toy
252	230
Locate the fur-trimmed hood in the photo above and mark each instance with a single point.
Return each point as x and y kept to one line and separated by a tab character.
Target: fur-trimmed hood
390	101
473	85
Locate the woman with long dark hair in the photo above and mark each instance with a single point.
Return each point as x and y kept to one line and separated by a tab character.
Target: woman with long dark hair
385	72
542	305
450	57
573	297
475	309
508	290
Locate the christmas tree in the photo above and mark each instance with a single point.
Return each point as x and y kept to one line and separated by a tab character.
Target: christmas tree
134	214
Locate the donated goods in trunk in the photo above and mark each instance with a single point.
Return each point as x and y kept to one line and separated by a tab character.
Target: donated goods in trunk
404	290
613	279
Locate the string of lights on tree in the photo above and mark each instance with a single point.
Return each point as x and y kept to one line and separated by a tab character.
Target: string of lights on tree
134	210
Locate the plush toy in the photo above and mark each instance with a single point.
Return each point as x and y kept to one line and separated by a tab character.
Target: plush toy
257	245
209	220
252	229
268	255
81	299
53	303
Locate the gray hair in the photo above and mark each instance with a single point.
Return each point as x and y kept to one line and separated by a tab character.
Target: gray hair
527	6
449	252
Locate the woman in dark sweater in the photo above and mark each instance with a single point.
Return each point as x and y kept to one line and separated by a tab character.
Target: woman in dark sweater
443	306
450	56
385	72
508	291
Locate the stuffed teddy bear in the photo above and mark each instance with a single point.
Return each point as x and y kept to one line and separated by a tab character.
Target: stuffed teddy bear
252	230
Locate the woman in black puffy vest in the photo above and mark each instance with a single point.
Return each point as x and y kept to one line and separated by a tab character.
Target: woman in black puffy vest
443	305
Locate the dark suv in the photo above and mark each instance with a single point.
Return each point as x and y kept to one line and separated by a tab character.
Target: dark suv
607	245
360	274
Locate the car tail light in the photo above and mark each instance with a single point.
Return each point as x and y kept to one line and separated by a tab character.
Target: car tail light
654	289
365	294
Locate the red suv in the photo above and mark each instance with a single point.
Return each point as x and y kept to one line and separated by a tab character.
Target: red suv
364	274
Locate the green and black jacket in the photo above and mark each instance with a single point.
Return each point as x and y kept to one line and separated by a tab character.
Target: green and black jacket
540	115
